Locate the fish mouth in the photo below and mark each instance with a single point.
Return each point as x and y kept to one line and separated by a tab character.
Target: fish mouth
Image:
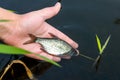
72	52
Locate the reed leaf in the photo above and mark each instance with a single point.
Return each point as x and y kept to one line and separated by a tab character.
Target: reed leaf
87	57
12	11
28	71
7	49
48	60
99	44
101	49
4	20
106	42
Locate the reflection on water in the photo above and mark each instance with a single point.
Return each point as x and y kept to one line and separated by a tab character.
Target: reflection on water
81	20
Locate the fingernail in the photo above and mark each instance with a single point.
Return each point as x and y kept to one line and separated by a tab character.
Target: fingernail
58	3
57	59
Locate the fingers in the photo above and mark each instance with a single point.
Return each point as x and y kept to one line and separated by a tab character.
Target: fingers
60	35
35	48
49	12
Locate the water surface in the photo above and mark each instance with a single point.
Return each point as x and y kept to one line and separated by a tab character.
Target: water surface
81	20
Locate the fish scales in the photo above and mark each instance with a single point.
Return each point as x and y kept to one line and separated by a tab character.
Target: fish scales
56	46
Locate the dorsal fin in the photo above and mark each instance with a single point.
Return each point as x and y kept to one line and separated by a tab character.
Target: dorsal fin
32	39
54	36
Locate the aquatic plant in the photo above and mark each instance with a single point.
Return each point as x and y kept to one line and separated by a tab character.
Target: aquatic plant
87	57
28	71
101	49
4	20
7	49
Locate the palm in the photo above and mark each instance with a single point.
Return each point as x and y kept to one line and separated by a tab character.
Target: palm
34	23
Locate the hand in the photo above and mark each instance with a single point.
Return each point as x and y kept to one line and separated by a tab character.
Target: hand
34	23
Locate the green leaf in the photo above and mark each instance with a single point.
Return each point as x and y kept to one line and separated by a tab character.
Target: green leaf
6	49
4	20
99	44
12	11
97	62
87	57
48	60
106	42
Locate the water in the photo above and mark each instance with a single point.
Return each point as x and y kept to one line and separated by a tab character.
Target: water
81	20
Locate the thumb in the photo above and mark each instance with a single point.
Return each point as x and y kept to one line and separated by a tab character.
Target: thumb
49	12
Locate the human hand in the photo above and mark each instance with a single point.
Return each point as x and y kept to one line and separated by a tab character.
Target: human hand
34	23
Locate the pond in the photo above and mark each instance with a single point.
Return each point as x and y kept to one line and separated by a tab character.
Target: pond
81	20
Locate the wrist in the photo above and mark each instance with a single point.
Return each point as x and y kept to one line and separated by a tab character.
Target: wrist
5	27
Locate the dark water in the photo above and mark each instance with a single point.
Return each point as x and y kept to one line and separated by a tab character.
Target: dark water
81	20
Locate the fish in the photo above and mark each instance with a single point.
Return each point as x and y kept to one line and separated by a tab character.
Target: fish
55	46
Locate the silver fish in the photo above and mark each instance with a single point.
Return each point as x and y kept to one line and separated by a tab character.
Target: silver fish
57	47
54	46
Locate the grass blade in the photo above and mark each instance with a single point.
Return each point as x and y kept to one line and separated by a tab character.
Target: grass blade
4	20
28	71
106	42
99	44
97	62
48	60
12	11
87	57
6	49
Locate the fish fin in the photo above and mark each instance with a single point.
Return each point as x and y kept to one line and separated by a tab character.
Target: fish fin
43	50
32	36
54	36
32	39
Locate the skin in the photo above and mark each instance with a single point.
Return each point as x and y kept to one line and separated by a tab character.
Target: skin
16	32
